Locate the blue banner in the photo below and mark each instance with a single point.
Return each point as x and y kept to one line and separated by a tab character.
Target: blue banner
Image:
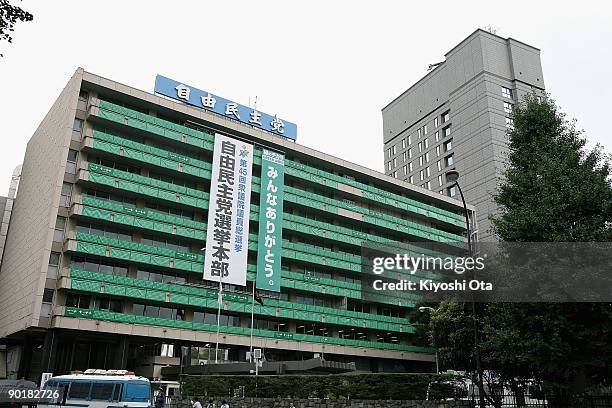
205	100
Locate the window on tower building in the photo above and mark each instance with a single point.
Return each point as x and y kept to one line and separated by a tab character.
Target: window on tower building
426	143
448	145
445	116
436	122
403	143
54	265
71	161
66	195
77	129
48	295
507	108
449	160
82	103
393	150
506	92
60	225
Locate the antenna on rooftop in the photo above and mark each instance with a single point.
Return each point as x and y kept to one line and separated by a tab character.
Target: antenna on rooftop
490	29
254	105
434	65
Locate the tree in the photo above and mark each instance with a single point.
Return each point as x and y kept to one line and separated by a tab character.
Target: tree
9	16
554	190
453	336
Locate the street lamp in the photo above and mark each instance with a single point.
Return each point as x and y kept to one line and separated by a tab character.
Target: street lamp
424	309
452	176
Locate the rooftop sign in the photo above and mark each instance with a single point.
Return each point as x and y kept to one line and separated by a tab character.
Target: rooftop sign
205	100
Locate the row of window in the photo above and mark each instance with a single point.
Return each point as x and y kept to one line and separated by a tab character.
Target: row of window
316	329
422	145
94	302
421	132
426	172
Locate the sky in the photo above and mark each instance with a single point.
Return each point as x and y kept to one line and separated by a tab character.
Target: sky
328	66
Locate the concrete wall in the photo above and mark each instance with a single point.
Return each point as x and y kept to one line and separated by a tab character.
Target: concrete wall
29	240
6	207
316	403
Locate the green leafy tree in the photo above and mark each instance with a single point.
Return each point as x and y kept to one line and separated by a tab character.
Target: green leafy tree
9	16
452	333
555	190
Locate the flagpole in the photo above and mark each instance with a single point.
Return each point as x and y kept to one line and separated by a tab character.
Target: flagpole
252	321
219	300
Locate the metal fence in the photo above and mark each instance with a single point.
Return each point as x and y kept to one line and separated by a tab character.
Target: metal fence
539	400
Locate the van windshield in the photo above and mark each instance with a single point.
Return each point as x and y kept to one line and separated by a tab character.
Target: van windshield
138	392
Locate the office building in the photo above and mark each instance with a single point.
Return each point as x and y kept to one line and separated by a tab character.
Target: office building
103	264
457	117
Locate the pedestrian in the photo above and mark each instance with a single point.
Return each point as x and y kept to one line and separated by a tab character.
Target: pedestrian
160	399
196	403
210	404
291	405
224	404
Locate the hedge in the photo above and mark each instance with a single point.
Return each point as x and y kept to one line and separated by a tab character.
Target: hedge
338	386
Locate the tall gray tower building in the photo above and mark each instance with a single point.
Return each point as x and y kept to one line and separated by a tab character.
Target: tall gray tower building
457	117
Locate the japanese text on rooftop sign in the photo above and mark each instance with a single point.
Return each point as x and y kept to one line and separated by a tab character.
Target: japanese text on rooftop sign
205	100
227	236
270	238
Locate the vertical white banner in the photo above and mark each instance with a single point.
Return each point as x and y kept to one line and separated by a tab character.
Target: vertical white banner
227	236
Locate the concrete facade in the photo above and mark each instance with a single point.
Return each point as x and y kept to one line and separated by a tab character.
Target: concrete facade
6	208
44	250
30	239
465	100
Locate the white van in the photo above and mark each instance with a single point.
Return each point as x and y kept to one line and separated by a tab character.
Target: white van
100	389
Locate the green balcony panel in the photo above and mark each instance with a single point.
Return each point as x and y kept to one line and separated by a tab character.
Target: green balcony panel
296	169
86	286
114	290
136	293
330	205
